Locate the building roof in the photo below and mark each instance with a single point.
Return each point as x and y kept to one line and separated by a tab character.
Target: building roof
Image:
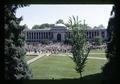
60	25
46	29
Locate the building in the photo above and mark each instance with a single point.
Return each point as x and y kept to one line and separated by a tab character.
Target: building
59	32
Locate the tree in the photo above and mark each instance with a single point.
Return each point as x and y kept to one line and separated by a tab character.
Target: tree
82	25
67	25
80	50
15	65
60	21
42	26
68	41
98	40
36	27
45	25
111	69
101	26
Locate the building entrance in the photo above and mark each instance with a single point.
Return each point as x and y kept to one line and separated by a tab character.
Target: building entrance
58	37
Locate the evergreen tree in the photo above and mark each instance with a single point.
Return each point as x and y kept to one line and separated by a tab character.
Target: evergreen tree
111	69
15	65
80	49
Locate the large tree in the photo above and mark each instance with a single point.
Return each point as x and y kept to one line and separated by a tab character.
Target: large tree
42	26
80	49
111	69
15	65
60	21
36	27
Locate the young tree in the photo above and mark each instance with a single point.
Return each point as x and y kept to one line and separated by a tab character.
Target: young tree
98	40
15	65
80	50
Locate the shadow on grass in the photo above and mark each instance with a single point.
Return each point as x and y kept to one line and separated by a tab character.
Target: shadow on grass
93	78
89	79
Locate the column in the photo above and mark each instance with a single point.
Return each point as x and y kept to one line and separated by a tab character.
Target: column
43	35
36	36
91	34
39	35
29	36
49	35
32	36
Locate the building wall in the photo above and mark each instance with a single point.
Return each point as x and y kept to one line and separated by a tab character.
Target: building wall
37	35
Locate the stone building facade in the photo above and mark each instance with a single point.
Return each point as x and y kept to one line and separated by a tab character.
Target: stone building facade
59	33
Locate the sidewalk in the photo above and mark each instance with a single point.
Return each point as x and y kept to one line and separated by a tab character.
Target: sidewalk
100	58
47	54
36	58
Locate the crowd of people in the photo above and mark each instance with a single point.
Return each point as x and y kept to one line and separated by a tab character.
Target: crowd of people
50	48
54	48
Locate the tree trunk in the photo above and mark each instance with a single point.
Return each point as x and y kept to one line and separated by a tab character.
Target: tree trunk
80	75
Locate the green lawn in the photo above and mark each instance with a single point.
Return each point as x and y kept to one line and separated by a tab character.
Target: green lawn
58	67
93	66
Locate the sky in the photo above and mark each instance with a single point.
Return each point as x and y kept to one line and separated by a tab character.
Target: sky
94	15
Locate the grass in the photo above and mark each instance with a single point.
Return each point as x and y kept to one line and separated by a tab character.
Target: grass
28	57
93	66
60	67
53	67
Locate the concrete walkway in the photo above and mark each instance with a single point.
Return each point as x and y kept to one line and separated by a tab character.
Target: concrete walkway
100	58
36	58
97	53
